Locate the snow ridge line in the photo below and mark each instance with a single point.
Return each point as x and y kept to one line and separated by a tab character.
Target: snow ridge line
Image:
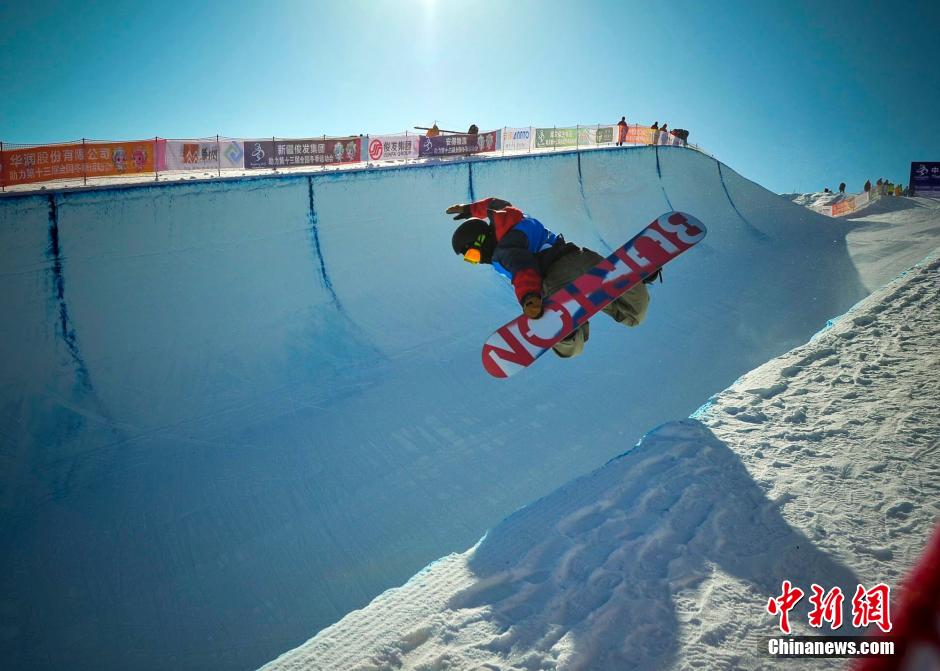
753	229
659	173
587	208
470	190
65	331
315	234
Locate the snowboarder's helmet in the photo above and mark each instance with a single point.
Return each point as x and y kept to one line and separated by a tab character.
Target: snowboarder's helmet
471	240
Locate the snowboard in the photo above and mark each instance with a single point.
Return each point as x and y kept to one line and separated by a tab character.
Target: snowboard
517	344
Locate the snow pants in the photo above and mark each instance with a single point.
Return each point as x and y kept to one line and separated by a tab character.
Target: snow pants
629	309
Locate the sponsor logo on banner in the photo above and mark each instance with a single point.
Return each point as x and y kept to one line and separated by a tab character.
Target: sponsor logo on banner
555	137
196	155
925	179
376	150
393	147
235	152
299	153
517	139
595	135
460	144
100	159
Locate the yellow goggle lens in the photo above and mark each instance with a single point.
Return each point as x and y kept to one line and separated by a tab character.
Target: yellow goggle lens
472	255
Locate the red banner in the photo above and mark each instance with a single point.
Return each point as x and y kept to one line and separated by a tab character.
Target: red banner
75	161
843	206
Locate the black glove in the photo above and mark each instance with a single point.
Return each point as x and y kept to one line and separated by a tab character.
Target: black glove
532	306
459	211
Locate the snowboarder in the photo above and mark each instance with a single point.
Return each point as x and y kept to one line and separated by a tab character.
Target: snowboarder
537	262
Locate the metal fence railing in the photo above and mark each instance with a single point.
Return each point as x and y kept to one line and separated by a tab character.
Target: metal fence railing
25	167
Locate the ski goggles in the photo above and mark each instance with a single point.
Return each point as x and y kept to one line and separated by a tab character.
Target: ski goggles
474	255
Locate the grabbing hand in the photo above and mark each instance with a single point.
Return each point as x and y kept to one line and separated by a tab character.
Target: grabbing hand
460	211
532	306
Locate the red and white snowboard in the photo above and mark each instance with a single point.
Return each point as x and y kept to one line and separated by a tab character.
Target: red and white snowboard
517	344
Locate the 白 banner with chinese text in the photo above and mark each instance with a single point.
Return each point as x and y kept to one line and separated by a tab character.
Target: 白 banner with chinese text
200	155
75	161
459	144
925	179
393	147
593	136
516	139
298	153
556	137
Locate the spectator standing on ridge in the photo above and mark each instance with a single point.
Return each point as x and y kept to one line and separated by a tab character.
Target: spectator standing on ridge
842	187
898	190
655	125
434	131
621	131
868	186
473	130
537	262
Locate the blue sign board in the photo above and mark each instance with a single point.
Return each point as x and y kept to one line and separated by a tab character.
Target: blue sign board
925	179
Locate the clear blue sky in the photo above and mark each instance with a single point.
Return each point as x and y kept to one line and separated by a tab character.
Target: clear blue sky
793	95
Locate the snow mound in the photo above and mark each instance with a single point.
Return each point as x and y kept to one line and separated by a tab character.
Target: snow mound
821	466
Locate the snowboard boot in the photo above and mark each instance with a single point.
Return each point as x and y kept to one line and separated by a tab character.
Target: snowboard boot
573	344
652	278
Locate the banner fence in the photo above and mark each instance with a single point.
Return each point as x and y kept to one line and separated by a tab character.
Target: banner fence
847	205
83	160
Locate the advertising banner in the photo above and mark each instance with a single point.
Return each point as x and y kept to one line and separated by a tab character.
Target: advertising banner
668	139
200	155
459	144
592	136
75	161
641	135
843	207
298	153
392	147
556	137
517	139
925	179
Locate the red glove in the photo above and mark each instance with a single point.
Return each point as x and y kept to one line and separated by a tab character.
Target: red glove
460	211
532	306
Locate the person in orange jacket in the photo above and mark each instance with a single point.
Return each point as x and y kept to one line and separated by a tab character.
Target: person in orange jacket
621	131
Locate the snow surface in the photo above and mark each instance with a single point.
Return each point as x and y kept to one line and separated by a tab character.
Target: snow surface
232	412
821	466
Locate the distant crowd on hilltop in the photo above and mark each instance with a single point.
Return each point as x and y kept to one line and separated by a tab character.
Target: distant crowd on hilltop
882	187
622	129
